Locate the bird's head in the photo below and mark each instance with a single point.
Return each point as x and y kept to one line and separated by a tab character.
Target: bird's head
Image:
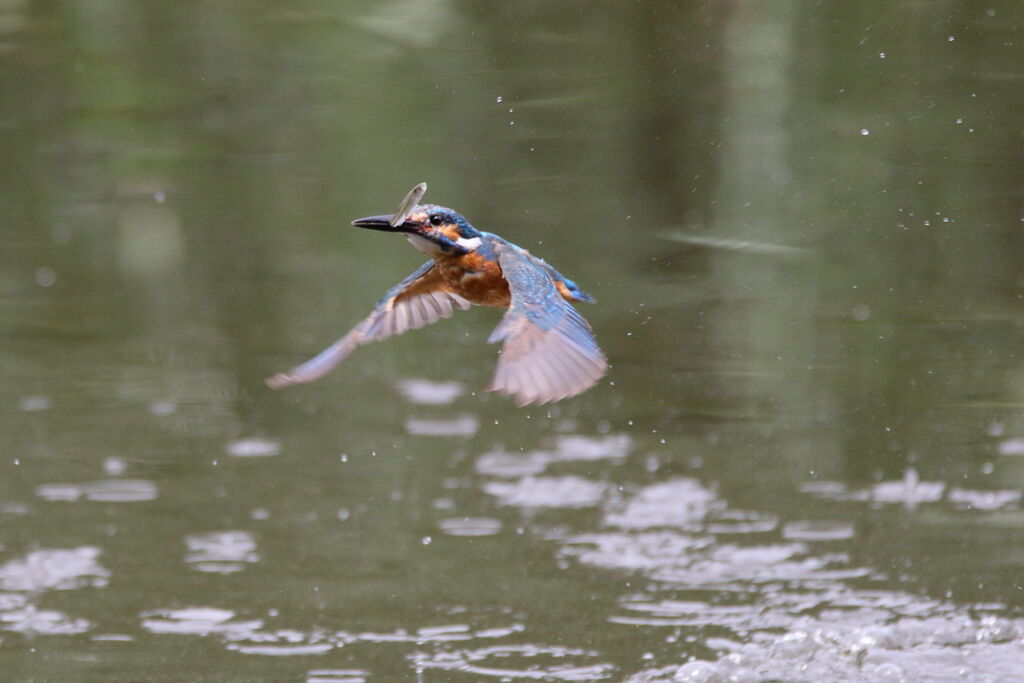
430	228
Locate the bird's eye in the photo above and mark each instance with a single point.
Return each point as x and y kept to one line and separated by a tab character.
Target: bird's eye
436	220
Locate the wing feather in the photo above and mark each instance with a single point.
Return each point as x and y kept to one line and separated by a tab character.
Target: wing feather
549	352
401	316
418	300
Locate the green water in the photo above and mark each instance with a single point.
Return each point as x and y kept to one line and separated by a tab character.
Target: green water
803	223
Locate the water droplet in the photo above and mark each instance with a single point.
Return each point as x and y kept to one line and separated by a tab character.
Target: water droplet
114	466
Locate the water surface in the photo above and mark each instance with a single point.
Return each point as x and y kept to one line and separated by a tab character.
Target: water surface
803	225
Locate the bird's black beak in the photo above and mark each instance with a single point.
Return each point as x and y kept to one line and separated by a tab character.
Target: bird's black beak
384	223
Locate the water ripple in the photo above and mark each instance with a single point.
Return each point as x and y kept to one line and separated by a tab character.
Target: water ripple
283	650
253	447
458	425
54	570
675	503
682	613
425	392
759	564
34	403
31	620
568	492
221	552
984	500
696	561
910	492
579	447
646	551
42	570
817	530
436	634
121	491
741	522
470	526
1011	447
17	509
104	491
535	662
337	676
198	621
568	448
509	465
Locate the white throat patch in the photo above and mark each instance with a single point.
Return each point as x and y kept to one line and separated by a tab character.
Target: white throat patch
427	247
468	243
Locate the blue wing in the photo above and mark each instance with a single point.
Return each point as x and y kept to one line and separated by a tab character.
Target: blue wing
574	290
418	300
550	352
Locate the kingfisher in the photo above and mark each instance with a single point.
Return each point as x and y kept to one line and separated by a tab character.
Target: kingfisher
549	351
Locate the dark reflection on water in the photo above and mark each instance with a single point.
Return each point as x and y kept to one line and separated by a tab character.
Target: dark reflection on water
803	225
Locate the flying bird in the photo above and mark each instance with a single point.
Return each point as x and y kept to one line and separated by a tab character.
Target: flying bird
549	350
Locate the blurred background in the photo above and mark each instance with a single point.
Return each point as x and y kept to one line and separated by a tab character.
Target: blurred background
802	222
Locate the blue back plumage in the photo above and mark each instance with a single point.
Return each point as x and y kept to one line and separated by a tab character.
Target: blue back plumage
536	299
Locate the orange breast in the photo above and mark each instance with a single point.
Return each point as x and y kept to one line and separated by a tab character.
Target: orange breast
476	279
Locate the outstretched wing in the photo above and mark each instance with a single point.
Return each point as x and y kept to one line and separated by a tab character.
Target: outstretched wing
550	352
418	300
